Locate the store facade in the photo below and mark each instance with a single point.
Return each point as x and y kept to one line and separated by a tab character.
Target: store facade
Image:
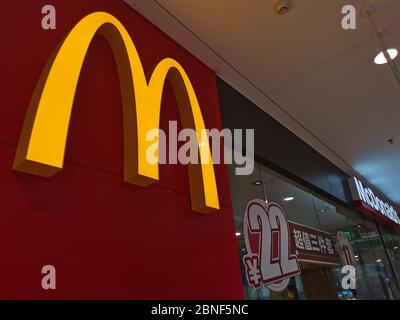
321	205
108	239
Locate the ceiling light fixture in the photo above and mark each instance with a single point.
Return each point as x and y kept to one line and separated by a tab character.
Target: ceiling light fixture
288	199
379	260
282	7
381	59
324	210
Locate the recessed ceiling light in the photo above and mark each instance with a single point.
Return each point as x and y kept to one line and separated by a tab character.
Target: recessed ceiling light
282	7
257	183
381	59
324	210
238	234
379	260
288	199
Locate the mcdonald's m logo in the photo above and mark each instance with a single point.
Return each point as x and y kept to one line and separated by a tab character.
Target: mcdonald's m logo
43	139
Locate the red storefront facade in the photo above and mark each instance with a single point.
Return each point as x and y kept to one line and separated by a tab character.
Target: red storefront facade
106	239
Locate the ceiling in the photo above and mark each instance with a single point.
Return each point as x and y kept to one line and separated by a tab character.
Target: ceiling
302	68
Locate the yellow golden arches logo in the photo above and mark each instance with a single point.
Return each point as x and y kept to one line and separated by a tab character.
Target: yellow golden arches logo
43	139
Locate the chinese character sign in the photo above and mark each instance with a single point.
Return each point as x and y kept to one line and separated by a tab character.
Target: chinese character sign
313	245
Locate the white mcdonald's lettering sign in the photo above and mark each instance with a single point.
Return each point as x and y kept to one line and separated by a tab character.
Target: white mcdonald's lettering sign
366	200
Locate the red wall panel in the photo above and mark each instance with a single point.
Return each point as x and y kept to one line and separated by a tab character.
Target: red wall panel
107	239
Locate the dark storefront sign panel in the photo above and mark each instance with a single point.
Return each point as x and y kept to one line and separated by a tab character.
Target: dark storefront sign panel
290	153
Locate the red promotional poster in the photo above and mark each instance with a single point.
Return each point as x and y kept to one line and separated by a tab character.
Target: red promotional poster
270	259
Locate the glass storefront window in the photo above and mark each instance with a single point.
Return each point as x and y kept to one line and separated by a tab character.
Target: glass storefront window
298	204
368	285
244	189
382	264
391	241
319	279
